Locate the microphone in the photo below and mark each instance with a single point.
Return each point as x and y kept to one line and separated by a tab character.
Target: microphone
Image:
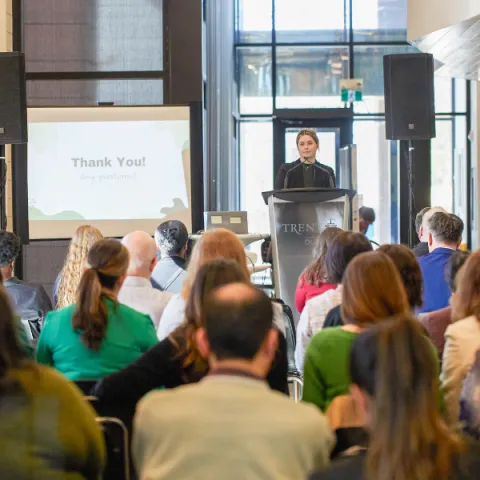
330	177
288	173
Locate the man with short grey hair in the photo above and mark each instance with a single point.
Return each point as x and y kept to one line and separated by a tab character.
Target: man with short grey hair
421	248
137	291
172	242
444	237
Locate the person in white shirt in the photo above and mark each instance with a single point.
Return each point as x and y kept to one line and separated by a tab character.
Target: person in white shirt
230	425
344	248
137	291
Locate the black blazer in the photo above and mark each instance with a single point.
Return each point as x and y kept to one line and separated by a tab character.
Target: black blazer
295	178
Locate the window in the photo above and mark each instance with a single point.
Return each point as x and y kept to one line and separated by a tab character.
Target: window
309	77
81	93
442	164
254	21
93	36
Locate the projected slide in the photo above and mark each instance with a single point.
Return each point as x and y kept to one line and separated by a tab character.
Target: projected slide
117	168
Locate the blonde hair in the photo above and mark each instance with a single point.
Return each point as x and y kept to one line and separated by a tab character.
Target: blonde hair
212	245
107	261
82	240
309	133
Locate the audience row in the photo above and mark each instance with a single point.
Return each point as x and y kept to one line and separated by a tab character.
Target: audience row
389	367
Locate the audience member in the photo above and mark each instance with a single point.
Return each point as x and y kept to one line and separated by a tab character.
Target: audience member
409	269
230	425
66	284
365	302
97	335
30	301
172	242
313	280
366	217
176	360
343	249
444	237
470	401
436	323
137	291
462	338
394	387
421	248
47	429
220	243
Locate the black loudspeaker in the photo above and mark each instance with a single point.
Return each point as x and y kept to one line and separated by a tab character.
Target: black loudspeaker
409	96
13	98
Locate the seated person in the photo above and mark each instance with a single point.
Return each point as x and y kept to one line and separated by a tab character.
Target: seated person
230	425
220	243
344	247
365	302
97	335
394	388
366	217
67	281
470	400
444	237
137	291
421	248
30	301
172	242
436	323
313	280
462	337
47	429
176	359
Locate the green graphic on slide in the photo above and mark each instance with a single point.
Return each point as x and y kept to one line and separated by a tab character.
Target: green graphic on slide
36	214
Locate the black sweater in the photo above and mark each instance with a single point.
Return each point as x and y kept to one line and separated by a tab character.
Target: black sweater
322	178
160	367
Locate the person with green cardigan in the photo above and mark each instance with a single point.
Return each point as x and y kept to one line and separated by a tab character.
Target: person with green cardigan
372	291
97	335
47	429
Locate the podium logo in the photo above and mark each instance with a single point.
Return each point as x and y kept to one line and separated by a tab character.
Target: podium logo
299	228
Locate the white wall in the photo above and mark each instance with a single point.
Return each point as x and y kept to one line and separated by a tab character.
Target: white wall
427	16
6	46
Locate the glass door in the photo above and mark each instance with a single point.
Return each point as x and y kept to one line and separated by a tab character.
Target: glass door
334	128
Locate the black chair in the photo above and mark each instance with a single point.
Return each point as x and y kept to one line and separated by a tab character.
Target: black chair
85	386
117	448
290	336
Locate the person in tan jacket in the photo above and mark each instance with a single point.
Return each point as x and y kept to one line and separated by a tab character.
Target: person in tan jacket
462	338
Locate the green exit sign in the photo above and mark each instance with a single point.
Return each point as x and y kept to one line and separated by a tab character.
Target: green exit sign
351	96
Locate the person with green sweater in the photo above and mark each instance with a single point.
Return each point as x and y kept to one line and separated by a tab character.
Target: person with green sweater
47	429
96	336
367	300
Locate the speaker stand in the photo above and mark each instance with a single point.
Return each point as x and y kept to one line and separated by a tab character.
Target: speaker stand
412	237
3	184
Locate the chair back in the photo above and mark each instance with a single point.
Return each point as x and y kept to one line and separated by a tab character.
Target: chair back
290	337
117	447
85	386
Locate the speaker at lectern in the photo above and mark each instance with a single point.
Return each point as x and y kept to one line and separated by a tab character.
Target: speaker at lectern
297	216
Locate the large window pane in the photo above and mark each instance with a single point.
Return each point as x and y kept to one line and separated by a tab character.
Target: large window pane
379	20
59	93
368	65
309	77
443	94
99	35
255	66
460	89
256	171
373	174
442	165
254	21
303	21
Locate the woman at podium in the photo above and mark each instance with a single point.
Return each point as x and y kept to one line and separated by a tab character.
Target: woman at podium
305	172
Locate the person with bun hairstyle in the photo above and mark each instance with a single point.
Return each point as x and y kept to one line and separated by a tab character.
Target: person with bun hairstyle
394	387
97	335
305	172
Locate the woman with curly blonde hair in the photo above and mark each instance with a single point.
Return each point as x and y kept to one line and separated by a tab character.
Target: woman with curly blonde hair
66	284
